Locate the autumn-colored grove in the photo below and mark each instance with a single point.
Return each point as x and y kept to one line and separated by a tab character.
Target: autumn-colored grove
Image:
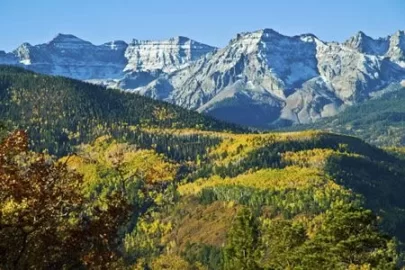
147	185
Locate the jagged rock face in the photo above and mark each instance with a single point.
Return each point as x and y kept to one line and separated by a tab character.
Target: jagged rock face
367	45
168	55
397	46
261	78
263	62
349	74
292	79
391	46
69	56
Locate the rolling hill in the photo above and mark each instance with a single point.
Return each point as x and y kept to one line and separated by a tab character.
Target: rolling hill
302	198
60	112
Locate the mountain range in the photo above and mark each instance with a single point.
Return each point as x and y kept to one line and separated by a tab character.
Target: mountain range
261	79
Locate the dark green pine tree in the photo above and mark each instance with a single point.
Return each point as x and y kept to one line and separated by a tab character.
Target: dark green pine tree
349	236
242	241
3	130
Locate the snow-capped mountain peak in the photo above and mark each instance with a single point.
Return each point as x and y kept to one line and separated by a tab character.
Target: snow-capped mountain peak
167	55
365	44
391	46
70	56
256	36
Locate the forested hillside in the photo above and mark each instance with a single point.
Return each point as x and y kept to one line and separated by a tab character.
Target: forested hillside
60	112
171	189
380	121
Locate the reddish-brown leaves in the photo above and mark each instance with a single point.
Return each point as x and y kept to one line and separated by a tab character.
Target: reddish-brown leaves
45	222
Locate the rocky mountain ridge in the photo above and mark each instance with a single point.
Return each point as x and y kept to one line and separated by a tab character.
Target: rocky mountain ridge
70	56
260	78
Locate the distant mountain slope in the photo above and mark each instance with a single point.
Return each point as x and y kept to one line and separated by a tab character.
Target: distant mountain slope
380	121
61	112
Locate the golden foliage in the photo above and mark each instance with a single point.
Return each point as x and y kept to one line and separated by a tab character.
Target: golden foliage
292	177
162	114
170	262
147	235
308	158
106	157
235	147
238	146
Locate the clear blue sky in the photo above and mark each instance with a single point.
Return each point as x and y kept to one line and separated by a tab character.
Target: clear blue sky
210	21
